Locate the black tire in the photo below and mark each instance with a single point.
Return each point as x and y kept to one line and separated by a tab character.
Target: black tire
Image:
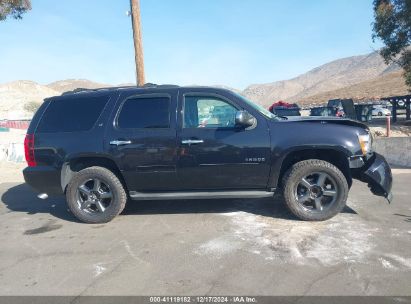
114	189
334	184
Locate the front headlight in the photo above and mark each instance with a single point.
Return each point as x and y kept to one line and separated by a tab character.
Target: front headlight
365	141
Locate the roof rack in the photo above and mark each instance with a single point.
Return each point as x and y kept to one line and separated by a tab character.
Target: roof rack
145	86
160	86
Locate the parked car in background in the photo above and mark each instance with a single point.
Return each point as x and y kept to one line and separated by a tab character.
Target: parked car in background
346	105
380	111
327	111
285	109
285	112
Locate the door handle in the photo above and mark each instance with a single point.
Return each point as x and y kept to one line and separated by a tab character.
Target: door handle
120	142
192	141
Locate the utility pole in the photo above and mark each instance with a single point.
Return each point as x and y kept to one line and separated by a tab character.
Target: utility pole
138	43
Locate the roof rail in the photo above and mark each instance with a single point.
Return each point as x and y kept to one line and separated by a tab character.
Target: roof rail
160	86
145	86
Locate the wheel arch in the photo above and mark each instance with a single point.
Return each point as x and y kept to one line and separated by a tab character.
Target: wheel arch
75	164
334	156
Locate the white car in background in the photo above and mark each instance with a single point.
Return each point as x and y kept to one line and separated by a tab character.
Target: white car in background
380	111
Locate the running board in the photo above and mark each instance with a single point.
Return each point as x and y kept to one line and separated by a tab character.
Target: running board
199	195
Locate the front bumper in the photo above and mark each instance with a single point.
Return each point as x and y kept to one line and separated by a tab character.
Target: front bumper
376	172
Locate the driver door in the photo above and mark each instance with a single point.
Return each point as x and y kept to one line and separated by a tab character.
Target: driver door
214	154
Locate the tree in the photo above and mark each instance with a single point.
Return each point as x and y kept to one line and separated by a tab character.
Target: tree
14	8
393	26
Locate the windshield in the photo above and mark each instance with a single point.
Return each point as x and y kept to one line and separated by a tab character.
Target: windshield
257	107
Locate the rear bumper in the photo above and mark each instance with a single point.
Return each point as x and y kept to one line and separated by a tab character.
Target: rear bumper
377	173
44	179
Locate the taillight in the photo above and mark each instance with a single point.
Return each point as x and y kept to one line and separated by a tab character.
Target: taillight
29	150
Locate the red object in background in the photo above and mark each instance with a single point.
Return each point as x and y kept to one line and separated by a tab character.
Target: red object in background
281	103
340	113
15	124
29	150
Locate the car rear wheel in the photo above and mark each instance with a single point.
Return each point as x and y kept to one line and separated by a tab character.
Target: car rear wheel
95	195
315	190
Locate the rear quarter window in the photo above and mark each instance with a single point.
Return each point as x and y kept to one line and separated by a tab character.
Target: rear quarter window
72	114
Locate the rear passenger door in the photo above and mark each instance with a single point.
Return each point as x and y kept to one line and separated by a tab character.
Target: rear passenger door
142	140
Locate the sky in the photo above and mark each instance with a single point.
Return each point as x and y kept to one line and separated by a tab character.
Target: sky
204	42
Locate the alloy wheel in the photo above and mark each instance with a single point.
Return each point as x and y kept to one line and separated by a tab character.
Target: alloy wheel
316	192
94	196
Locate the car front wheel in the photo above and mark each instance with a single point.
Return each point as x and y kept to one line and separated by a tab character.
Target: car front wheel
315	190
95	195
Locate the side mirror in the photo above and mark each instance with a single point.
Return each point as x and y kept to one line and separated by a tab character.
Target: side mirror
244	119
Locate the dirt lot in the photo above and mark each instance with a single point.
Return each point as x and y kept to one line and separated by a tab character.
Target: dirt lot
401	128
226	247
11	172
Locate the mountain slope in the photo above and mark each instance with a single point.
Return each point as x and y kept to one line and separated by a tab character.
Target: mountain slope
334	75
72	84
14	95
391	84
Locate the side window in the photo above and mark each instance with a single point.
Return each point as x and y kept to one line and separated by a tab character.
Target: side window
72	114
208	112
145	112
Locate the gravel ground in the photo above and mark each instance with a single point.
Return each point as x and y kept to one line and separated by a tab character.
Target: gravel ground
11	172
225	247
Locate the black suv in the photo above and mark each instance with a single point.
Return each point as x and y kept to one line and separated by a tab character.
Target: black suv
102	147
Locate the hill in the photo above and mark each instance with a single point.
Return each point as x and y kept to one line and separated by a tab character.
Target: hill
331	76
72	84
14	95
383	86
